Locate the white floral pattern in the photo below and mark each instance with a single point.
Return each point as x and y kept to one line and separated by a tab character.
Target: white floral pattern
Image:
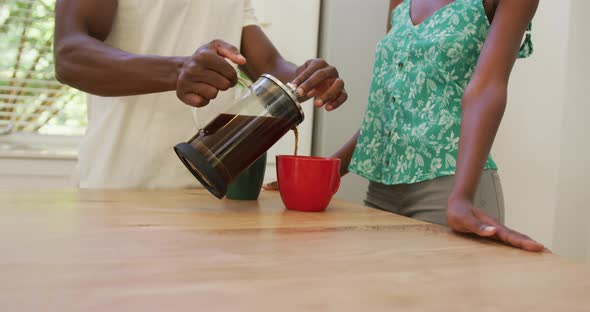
410	132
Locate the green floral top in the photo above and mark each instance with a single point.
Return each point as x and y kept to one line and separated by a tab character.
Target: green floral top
410	132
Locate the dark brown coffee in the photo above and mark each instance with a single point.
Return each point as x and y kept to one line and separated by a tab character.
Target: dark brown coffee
253	134
296	132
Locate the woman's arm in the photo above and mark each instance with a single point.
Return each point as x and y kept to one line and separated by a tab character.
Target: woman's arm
392	5
345	153
483	106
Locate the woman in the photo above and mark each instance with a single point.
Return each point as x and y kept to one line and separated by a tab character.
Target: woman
437	97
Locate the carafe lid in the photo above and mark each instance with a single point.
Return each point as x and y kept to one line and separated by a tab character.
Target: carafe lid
291	90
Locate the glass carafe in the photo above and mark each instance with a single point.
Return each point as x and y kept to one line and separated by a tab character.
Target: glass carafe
237	137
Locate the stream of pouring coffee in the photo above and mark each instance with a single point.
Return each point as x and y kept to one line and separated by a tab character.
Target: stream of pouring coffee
296	132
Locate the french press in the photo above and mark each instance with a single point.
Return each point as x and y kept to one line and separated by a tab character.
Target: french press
237	137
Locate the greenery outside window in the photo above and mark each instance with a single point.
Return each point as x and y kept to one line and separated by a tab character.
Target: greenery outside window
31	99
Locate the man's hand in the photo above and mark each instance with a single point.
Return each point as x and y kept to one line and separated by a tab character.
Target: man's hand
463	217
316	78
207	72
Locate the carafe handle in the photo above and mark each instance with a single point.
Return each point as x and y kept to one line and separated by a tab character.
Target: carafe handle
241	81
245	83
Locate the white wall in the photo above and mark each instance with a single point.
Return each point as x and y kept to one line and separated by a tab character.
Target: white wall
572	233
528	144
350	29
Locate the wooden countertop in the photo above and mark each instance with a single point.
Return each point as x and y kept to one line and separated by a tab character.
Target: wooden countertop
186	251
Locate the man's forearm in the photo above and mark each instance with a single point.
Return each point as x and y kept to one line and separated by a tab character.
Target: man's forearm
277	66
283	70
263	57
93	66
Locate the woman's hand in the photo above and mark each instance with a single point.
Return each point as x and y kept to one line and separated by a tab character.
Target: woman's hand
272	186
317	78
464	217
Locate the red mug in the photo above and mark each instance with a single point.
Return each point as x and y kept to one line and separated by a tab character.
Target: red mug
307	183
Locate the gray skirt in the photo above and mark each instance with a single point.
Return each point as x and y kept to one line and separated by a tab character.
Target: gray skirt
427	200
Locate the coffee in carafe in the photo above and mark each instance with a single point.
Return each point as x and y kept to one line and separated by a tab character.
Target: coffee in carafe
235	139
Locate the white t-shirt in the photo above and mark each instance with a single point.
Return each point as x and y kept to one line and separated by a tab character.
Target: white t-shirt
129	141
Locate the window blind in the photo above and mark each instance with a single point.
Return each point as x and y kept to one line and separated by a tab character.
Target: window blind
31	99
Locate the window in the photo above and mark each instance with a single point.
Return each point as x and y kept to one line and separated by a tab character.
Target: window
31	99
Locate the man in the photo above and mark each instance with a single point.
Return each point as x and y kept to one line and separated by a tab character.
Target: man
137	60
